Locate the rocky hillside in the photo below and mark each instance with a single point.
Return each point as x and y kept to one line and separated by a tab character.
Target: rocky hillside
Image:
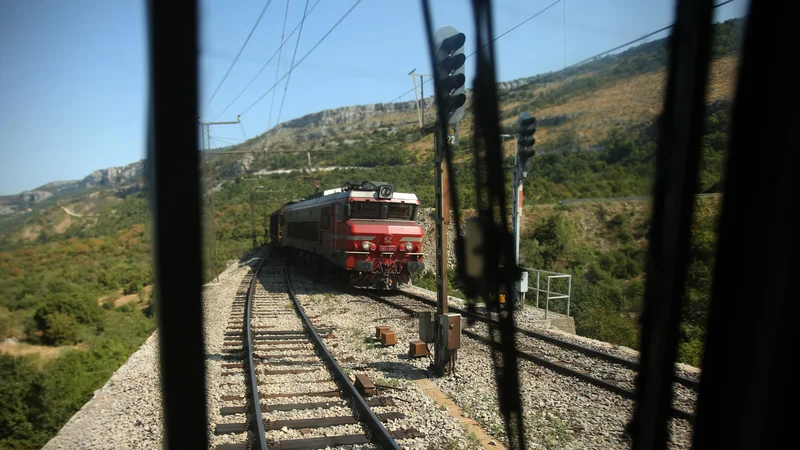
124	180
577	109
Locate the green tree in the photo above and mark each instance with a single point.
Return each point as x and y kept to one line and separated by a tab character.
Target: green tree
60	329
17	397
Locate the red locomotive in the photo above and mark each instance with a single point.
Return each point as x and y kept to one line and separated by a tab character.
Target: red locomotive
365	232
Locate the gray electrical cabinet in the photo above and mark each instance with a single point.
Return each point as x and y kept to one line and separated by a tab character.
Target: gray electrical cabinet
427	328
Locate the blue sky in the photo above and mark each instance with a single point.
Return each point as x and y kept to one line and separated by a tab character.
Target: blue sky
74	77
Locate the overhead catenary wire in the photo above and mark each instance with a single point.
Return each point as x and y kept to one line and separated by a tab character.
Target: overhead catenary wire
603	53
303	58
266	64
496	38
286	86
584	61
280	53
222	81
230	139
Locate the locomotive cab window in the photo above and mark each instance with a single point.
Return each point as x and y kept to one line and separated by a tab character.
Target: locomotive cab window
401	211
365	210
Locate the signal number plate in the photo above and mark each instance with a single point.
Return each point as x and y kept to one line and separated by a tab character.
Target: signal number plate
388	248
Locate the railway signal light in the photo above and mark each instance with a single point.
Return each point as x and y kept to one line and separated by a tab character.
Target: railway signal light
526	127
449	72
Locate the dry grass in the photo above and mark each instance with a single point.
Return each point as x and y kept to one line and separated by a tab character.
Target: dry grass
627	102
30	233
42	352
62	225
589	220
117	299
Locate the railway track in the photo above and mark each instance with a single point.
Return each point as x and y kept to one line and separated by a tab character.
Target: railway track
548	351
297	396
483	317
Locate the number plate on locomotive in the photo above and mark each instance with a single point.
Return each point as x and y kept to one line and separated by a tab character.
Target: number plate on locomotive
388	248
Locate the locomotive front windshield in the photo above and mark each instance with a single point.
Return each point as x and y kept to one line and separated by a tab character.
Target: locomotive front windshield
400	211
370	210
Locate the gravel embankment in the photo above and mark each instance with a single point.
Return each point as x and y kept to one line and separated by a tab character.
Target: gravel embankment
685	398
560	411
357	350
218	301
530	319
126	412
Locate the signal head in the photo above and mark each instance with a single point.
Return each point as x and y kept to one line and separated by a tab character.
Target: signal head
526	124
526	127
449	72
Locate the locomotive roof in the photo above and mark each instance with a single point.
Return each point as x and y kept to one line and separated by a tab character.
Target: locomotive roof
332	195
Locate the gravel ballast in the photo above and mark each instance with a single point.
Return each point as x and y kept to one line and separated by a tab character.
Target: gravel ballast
560	411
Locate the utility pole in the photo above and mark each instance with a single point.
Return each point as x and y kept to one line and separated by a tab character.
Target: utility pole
421	99
206	129
253	215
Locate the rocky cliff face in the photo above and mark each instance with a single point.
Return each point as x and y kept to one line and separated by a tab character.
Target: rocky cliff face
34	196
114	176
123	180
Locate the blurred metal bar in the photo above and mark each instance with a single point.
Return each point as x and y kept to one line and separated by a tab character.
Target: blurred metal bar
679	130
174	186
745	393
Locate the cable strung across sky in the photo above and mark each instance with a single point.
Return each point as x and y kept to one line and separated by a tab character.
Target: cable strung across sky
237	56
267	63
641	38
303	58
291	66
280	55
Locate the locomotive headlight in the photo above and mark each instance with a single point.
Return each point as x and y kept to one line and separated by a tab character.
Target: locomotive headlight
365	245
408	246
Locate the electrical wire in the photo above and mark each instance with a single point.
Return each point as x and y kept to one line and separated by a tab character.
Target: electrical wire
498	37
237	55
641	38
601	54
303	58
291	67
265	64
519	25
278	66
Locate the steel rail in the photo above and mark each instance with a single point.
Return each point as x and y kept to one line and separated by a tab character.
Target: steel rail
378	433
255	402
619	390
687	382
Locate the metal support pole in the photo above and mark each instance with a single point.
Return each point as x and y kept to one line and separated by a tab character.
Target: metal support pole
421	103
213	225
207	148
420	100
547	300
515	216
443	356
416	98
569	293
253	220
266	226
